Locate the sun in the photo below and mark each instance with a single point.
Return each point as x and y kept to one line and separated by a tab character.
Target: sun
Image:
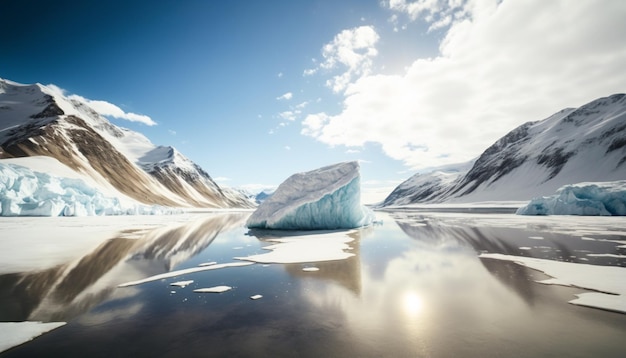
412	303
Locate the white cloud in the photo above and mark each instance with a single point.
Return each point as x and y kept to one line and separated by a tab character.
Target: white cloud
108	109
257	188
352	51
500	64
302	105
286	96
287	147
221	179
439	13
289	115
280	75
171	131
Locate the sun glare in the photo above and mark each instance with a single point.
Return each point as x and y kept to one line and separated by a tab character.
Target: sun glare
413	303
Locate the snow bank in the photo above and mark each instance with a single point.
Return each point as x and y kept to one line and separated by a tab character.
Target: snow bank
603	198
16	333
24	192
323	199
608	280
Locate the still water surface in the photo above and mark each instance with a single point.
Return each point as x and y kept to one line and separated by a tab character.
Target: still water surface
415	287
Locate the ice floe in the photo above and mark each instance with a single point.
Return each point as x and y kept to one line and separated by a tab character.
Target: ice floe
182	284
16	333
214	289
609	281
306	248
256	297
184	272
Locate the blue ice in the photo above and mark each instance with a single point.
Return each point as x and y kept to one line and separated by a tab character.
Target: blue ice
592	199
324	199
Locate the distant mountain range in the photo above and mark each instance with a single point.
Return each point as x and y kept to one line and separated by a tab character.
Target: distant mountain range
585	144
36	120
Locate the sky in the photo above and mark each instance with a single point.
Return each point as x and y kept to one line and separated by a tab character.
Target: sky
254	91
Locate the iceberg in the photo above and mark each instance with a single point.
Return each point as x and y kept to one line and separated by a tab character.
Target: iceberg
24	192
590	199
327	198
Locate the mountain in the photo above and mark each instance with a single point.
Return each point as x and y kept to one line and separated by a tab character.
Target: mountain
585	144
38	120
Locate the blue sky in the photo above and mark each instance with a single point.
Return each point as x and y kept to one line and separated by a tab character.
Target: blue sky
255	91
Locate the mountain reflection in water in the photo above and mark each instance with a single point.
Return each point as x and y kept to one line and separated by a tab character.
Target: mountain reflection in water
414	287
68	290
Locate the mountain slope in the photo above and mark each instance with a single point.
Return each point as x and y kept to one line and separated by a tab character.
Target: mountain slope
574	145
38	120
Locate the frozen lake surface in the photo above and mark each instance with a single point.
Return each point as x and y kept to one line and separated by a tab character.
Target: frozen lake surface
431	284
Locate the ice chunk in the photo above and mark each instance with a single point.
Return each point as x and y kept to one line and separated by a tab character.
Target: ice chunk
603	198
607	280
216	289
184	272
306	248
16	333
24	192
182	284
256	297
325	198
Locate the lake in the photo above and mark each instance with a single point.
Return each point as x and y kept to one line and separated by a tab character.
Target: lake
412	285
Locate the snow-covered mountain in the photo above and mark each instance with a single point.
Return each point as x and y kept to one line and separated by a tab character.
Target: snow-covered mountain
38	120
585	144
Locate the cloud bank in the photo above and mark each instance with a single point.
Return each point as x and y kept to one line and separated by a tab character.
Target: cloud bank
500	64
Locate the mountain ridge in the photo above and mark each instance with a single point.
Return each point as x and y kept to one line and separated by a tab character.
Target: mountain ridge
573	145
38	120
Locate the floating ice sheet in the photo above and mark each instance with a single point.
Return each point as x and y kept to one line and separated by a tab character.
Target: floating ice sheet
182	284
16	333
306	248
609	281
215	289
184	272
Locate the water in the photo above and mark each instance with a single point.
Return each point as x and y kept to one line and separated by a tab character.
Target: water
415	287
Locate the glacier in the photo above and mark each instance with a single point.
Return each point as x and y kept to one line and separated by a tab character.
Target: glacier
327	198
590	199
25	192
